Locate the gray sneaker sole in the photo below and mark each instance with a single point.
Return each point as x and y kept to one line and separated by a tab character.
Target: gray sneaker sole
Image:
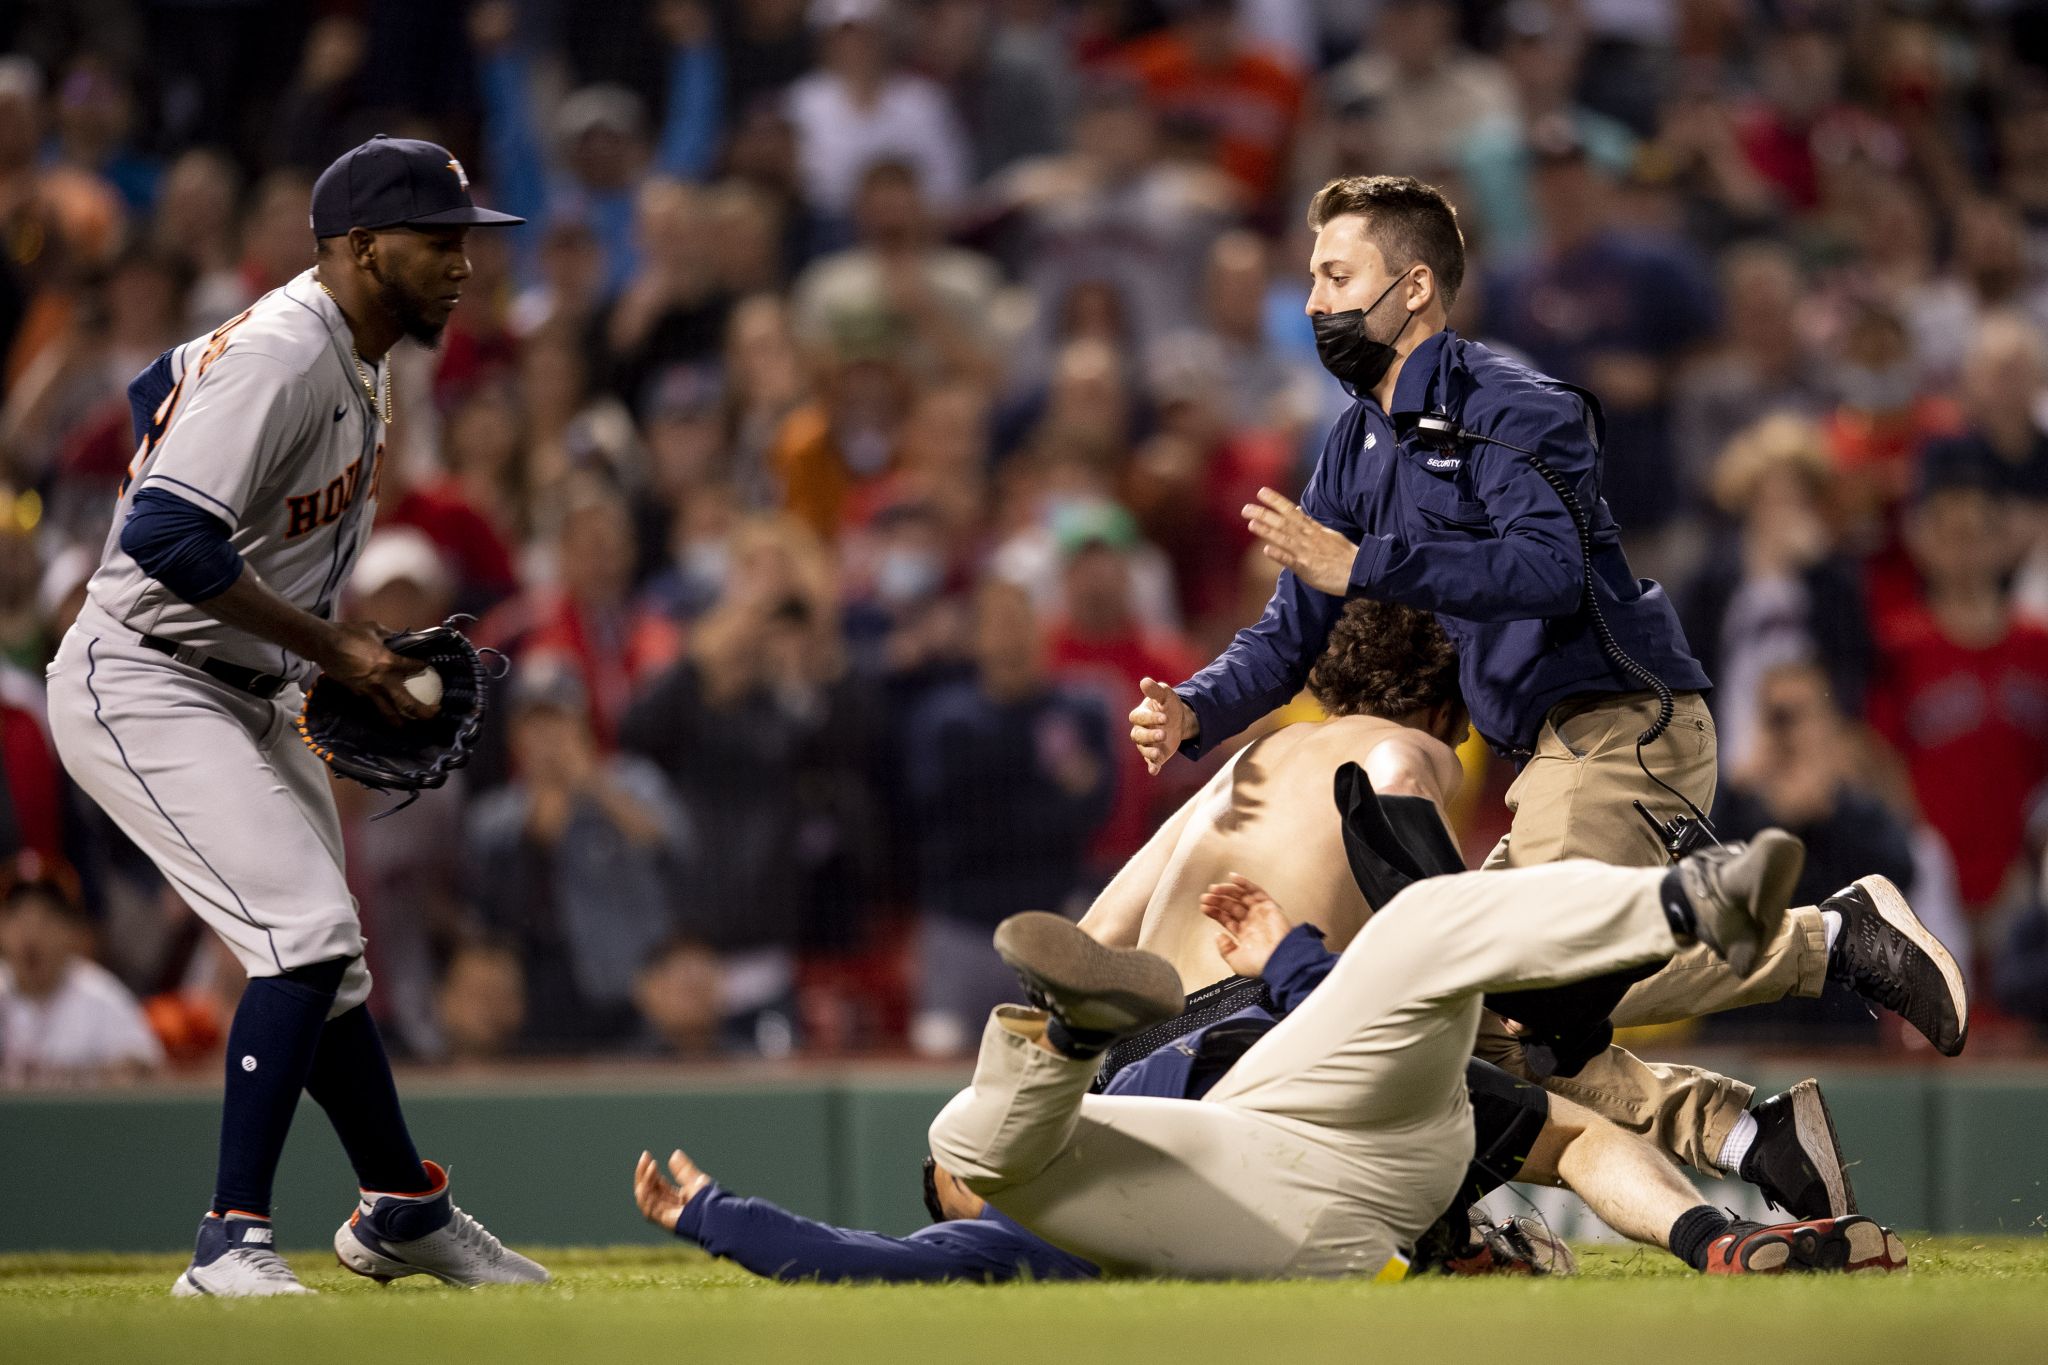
1777	859
1815	1129
1895	910
1107	990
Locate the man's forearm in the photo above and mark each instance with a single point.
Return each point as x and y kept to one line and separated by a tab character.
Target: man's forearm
249	604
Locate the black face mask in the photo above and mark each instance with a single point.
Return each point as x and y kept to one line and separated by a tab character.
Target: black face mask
1348	350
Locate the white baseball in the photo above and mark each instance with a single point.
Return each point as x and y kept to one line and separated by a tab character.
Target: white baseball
425	687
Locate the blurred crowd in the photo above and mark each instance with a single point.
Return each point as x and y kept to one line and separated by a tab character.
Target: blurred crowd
868	404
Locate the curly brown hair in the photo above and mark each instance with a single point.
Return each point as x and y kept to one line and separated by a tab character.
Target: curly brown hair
1385	660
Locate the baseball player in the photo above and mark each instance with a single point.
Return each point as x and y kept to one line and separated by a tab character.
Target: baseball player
1336	1140
172	699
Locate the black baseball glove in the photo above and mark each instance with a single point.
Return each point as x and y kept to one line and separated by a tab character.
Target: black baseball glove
355	739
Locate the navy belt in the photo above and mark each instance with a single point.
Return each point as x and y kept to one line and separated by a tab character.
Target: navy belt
264	685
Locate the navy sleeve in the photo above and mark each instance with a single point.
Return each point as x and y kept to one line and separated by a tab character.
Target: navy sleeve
772	1241
146	393
1531	566
1297	967
180	545
1268	661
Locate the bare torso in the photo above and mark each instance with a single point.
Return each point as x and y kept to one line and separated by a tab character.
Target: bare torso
1269	814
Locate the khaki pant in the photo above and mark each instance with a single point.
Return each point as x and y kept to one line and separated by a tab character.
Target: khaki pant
1573	800
1339	1137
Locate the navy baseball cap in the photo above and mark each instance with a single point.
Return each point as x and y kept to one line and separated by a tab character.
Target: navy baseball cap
397	182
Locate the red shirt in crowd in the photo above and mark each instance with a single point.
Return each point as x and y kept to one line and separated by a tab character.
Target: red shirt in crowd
1108	667
481	560
30	771
1251	103
1972	726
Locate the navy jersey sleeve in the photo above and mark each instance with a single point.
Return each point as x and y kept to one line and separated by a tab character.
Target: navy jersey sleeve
1267	662
1298	965
1530	566
771	1241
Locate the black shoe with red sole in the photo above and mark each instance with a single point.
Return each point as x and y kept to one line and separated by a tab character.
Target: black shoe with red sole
1842	1246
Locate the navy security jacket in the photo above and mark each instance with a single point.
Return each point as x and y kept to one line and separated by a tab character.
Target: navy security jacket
1471	532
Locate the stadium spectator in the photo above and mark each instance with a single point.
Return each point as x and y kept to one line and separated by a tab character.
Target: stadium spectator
581	863
1761	364
408	890
1099	647
1780	589
586	615
64	1019
1009	778
1432	91
765	740
590	163
1800	775
1239	101
900	290
1961	691
1541	55
1613	308
859	107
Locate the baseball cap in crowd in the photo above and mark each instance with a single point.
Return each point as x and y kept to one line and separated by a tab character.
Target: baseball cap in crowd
548	682
1091	522
401	553
397	182
830	14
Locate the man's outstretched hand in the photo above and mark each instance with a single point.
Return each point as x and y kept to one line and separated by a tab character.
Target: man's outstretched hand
1252	923
1160	724
1295	540
661	1201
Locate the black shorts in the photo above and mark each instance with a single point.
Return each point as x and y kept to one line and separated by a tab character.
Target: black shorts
1507	1114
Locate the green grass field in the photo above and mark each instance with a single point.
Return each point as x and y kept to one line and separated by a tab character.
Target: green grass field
1972	1300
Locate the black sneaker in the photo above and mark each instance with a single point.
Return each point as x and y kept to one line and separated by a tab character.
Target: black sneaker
1885	954
1098	993
1736	893
1796	1161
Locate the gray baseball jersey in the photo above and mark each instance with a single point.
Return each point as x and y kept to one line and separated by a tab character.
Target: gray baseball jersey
265	423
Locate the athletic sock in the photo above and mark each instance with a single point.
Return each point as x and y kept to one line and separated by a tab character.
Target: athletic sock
351	1080
1080	1044
1678	911
1735	1147
1695	1231
270	1050
1831	923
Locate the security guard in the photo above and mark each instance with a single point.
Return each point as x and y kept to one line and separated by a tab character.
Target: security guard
1427	494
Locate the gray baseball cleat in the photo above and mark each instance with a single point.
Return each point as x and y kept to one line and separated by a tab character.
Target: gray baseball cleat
390	1236
1099	993
1738	893
235	1259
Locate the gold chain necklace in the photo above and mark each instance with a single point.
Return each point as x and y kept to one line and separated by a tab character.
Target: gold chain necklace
362	371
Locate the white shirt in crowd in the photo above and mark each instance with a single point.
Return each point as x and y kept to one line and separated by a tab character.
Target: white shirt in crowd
838	139
89	1024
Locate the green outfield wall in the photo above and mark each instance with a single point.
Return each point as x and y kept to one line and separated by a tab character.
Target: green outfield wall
548	1160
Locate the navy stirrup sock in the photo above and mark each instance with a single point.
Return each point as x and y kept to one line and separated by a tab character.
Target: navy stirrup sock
270	1051
351	1080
